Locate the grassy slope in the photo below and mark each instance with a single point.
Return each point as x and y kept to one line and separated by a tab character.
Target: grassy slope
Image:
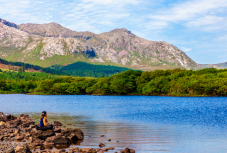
33	58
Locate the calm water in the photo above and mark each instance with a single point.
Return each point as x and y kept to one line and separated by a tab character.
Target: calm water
146	124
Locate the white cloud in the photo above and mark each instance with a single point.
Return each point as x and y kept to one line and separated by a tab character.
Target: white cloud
24	2
107	2
186	49
39	2
222	38
157	24
189	10
206	20
205	15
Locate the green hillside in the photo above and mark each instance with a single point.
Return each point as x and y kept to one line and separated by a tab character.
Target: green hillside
76	69
89	70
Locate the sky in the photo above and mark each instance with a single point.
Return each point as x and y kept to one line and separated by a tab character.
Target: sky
197	27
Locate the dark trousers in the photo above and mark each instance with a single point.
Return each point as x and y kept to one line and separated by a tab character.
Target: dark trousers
44	128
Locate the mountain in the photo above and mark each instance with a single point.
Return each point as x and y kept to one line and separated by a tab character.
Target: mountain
218	66
50	44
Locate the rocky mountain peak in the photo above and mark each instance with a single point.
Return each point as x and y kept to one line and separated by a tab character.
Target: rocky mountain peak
53	30
117	33
10	24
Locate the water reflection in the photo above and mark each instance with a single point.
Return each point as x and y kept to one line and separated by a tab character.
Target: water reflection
146	124
122	135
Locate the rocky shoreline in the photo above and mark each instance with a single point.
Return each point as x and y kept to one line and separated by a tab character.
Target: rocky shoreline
19	135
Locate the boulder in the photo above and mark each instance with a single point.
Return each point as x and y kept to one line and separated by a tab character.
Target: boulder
10	150
42	134
2	123
105	149
48	143
37	142
10	131
102	145
26	130
57	140
32	126
12	135
19	137
24	116
10	117
127	150
73	134
3	126
57	130
28	123
13	123
111	148
30	138
3	119
88	150
20	149
62	151
27	135
74	150
57	123
17	131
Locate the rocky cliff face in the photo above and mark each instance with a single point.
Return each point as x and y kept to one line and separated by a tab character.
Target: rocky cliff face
53	30
43	42
10	24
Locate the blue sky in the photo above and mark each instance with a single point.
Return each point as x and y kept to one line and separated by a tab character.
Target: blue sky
198	27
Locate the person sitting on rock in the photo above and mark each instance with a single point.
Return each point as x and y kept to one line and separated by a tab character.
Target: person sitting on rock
43	119
43	123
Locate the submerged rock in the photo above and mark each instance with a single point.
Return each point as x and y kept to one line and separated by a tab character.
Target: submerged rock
102	145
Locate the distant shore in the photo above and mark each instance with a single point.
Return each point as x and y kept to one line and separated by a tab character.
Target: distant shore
176	83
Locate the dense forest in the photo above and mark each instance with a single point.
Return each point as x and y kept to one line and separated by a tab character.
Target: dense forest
81	69
89	70
177	82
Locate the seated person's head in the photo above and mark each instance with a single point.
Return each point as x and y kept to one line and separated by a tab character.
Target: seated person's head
44	114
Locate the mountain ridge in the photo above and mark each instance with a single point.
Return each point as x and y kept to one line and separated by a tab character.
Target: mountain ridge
52	44
217	66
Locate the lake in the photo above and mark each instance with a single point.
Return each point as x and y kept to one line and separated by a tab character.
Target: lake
143	123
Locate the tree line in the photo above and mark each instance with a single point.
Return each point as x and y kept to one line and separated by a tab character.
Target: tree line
177	82
81	69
